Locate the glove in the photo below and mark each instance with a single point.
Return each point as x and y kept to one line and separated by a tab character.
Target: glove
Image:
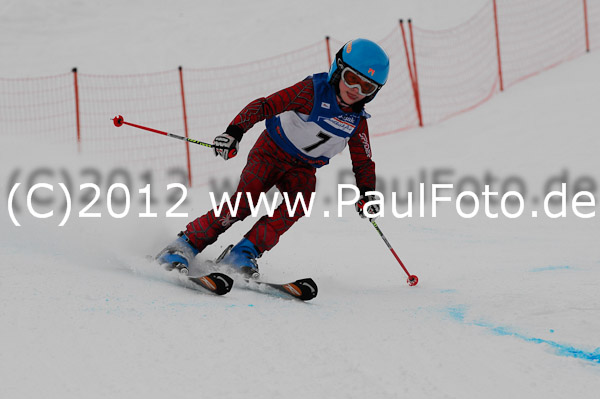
373	208
226	146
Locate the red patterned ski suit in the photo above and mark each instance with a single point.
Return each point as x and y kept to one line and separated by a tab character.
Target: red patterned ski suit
268	165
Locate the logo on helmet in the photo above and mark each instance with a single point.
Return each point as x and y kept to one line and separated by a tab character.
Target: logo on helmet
349	47
371	72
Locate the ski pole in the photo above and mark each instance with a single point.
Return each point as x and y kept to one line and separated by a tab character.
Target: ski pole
412	279
118	121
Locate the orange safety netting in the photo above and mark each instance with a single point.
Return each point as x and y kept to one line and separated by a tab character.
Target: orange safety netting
434	75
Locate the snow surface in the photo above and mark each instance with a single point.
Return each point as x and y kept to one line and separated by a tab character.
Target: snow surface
504	307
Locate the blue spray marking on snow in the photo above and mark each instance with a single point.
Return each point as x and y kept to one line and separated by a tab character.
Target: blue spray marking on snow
550	268
458	313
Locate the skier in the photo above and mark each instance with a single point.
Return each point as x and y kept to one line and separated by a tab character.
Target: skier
306	125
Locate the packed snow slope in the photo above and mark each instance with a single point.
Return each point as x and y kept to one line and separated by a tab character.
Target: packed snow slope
136	36
504	307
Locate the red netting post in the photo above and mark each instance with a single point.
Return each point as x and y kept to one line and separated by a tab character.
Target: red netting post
76	85
587	32
415	75
410	73
328	51
412	80
498	46
185	125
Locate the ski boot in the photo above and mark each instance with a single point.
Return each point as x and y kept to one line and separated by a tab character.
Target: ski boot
177	255
241	258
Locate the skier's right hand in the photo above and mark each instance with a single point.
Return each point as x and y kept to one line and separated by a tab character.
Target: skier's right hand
225	146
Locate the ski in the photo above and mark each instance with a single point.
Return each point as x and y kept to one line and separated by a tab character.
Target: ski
217	283
304	289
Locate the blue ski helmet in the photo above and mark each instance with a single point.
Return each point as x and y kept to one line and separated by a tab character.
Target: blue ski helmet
365	57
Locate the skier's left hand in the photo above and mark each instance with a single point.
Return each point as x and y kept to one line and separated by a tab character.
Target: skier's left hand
373	209
225	146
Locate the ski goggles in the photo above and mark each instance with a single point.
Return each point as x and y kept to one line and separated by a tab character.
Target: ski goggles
352	79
